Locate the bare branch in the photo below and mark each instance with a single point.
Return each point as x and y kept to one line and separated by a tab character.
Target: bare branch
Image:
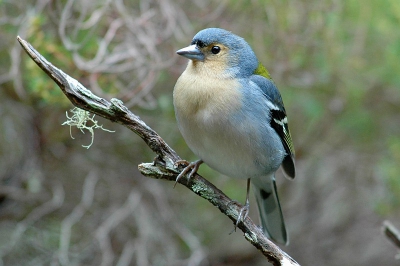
36	215
117	217
392	233
75	216
165	165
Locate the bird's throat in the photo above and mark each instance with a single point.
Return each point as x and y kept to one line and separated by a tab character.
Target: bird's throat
196	91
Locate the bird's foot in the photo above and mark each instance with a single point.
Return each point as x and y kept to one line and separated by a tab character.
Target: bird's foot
192	167
243	213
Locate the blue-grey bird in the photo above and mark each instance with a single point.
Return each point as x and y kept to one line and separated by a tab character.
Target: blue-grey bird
231	115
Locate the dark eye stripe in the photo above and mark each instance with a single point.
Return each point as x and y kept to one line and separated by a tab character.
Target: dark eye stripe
199	43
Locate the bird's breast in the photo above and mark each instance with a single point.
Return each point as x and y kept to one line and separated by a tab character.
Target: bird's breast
197	94
217	127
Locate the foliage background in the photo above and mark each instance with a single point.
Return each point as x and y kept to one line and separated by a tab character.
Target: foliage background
336	63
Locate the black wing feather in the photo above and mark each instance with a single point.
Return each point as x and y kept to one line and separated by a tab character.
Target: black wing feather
278	121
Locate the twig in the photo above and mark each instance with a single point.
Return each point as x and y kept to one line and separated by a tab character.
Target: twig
34	216
164	165
392	233
75	216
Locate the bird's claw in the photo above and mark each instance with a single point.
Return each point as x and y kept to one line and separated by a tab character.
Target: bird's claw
192	167
243	213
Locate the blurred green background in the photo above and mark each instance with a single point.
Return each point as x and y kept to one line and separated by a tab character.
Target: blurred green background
336	63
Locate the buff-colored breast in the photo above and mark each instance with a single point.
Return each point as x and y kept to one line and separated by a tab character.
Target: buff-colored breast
205	108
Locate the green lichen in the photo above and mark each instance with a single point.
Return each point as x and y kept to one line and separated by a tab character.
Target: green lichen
80	119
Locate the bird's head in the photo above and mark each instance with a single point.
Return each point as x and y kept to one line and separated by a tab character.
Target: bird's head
221	51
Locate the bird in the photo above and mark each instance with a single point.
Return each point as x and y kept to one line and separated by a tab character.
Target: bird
231	115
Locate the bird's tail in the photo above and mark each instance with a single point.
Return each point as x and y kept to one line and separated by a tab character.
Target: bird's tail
270	210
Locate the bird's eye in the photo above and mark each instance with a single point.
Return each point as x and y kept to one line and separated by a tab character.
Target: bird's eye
215	49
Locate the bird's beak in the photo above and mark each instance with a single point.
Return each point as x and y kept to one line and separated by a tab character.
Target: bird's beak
191	52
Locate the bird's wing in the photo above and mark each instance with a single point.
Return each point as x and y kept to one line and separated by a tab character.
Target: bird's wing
278	116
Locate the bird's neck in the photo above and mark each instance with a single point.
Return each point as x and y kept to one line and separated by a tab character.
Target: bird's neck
208	69
201	88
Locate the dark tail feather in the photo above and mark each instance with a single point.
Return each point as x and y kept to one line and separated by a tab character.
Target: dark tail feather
270	210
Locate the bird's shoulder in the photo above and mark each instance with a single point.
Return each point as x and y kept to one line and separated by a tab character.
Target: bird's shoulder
262	79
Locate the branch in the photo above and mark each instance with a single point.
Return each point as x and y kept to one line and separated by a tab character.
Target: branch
165	165
392	233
